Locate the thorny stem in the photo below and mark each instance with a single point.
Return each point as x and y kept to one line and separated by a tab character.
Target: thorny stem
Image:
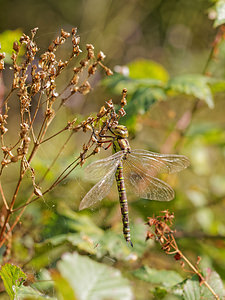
198	273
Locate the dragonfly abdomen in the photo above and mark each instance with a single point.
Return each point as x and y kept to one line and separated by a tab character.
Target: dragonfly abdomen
123	203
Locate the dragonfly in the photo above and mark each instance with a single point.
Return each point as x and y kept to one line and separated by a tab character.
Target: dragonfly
137	168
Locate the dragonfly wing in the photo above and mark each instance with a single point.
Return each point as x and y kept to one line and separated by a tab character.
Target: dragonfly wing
158	163
145	185
100	189
98	169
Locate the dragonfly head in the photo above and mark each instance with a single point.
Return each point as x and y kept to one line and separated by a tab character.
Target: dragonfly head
120	131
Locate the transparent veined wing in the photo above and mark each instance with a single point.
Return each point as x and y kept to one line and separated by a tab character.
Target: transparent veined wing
99	168
156	163
145	185
100	189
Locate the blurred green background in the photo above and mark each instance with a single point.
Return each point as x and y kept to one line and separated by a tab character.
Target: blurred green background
174	38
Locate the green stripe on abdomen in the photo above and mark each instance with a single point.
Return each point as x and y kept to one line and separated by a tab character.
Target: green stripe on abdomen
123	202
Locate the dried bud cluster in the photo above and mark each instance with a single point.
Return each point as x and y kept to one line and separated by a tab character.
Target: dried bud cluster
3	122
2	56
161	231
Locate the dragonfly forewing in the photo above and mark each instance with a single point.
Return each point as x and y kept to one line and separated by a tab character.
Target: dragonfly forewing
98	169
157	163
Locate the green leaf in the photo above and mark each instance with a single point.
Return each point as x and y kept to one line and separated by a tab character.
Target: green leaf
216	284
91	280
192	289
28	293
12	277
217	85
63	287
117	82
7	38
220	13
194	85
164	277
140	103
143	68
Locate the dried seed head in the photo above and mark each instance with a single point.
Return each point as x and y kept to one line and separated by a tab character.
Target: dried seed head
15	158
90	49
102	112
2	55
92	69
86	128
37	191
101	56
122	112
74	30
34	31
16	46
84	88
65	34
83	62
108	71
5	162
97	149
74	90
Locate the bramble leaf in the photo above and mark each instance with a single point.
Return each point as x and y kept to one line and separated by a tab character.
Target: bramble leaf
12	277
92	280
194	85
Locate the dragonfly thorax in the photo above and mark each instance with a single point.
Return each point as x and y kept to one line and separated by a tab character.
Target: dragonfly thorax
121	144
120	131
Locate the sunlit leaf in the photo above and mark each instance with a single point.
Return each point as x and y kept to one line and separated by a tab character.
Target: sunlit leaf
143	68
12	277
92	280
192	289
194	85
220	13
164	277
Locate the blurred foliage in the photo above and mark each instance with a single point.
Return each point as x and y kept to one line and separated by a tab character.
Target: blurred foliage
7	38
164	53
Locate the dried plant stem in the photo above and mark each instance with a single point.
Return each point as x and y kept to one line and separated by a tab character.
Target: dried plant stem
7	97
54	135
203	281
3	197
36	110
16	221
9	211
196	271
